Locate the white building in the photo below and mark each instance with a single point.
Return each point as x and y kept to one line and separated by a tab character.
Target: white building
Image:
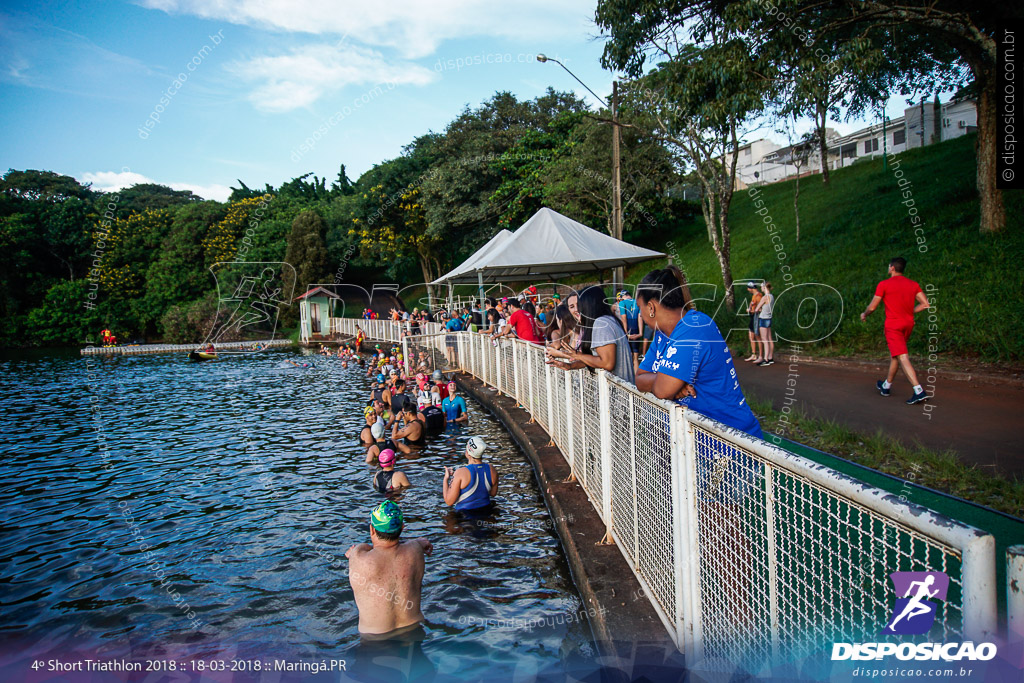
762	161
920	125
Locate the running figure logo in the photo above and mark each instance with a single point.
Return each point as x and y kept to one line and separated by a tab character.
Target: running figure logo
914	612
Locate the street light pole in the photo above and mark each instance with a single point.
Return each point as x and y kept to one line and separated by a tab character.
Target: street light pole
618	274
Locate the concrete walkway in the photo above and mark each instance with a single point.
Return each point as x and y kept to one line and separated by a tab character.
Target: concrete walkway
980	420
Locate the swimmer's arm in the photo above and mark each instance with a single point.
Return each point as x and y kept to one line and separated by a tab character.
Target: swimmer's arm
400	480
494	481
449	490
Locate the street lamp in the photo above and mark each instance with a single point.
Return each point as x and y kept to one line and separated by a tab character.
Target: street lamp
618	273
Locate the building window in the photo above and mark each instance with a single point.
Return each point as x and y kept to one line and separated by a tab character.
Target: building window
899	137
871	146
746	152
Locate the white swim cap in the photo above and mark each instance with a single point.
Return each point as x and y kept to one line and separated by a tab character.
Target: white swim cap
476	447
377	430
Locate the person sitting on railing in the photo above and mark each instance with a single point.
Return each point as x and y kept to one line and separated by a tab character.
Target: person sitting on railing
603	343
472	486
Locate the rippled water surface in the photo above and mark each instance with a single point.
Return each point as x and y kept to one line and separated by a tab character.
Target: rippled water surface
229	473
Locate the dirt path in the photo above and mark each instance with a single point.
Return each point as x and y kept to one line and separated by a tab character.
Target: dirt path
980	421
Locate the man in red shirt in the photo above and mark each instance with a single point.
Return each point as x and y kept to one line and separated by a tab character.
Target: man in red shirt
521	322
899	294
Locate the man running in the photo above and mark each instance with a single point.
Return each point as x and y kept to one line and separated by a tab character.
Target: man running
454	407
387	574
473	485
388	479
899	294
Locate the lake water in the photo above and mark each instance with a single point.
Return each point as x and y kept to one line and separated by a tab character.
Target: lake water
243	481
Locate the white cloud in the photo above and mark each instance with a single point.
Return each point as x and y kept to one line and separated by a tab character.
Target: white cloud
109	181
412	27
299	78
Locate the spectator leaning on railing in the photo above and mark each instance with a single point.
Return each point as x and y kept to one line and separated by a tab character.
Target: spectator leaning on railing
689	361
522	323
604	343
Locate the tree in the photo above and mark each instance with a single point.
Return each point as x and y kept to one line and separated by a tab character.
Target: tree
700	95
929	46
44	186
307	252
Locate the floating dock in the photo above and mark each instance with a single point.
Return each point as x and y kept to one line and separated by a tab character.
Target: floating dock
138	349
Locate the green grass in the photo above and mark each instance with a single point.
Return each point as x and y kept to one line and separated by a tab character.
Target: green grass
849	231
941	471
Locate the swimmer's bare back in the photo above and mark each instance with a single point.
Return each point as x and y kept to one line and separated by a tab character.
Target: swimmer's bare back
386	582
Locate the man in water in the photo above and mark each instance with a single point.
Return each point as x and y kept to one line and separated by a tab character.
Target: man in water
412	430
387	574
472	486
454	407
388	479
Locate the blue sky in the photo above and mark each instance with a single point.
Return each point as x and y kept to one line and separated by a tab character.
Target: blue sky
80	80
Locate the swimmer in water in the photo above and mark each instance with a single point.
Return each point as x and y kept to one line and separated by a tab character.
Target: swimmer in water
365	434
380	443
390	564
413	431
473	486
388	479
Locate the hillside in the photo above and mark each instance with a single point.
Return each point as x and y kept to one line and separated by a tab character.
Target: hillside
849	231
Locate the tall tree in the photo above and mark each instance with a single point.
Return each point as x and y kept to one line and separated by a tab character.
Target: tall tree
709	83
307	252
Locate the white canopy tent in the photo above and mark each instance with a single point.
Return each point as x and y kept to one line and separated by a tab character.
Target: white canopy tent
549	245
478	256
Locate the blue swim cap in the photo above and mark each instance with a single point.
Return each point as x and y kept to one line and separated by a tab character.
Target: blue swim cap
380	378
387	518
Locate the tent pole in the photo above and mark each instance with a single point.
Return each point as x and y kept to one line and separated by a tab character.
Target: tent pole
480	286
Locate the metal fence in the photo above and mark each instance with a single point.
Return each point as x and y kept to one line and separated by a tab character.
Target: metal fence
747	552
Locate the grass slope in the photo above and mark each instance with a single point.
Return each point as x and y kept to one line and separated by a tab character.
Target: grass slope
849	231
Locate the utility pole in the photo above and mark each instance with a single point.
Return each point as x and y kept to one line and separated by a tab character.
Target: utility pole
619	274
885	146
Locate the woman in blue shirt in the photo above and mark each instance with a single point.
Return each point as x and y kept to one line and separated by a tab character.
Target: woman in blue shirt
689	362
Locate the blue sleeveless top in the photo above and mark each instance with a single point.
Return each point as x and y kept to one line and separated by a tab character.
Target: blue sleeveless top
478	493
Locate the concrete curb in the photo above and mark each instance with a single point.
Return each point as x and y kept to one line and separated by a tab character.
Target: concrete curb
619	613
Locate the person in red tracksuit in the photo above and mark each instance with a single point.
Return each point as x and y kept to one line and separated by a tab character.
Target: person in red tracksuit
902	298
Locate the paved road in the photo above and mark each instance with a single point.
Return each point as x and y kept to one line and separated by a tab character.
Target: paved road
983	423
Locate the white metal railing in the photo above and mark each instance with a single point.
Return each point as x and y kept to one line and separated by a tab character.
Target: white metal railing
746	551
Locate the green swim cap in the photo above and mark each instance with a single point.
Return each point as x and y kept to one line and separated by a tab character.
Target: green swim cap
387	518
